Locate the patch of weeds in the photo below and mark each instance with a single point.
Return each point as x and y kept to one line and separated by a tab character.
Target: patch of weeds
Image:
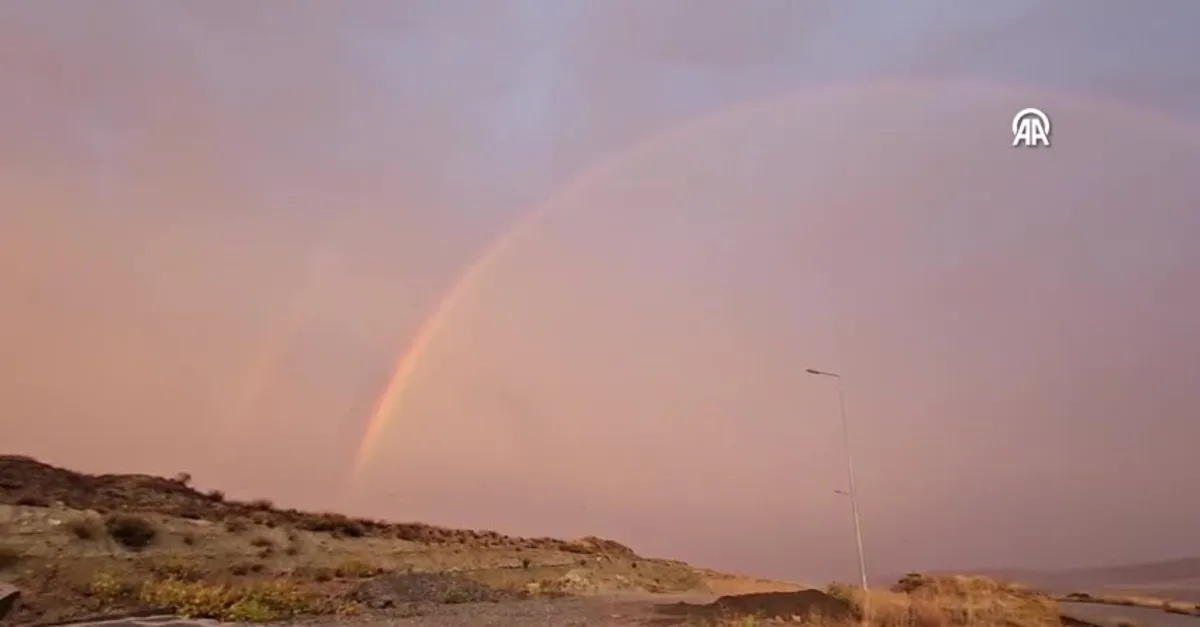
216	496
109	588
248	611
259	602
131	532
236	525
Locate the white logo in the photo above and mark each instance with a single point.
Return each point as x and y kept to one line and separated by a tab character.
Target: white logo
1031	128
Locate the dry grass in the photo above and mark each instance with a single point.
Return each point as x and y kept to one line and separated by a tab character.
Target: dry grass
951	601
919	601
916	601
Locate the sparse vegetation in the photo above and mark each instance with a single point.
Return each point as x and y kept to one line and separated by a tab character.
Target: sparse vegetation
955	600
257	603
919	602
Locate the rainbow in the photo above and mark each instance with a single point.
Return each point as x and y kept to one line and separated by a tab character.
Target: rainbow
390	402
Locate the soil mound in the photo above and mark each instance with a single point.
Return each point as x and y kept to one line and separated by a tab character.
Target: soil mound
766	605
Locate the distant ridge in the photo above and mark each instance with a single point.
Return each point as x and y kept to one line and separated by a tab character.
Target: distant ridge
1181	572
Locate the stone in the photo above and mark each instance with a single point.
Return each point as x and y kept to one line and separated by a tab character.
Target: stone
10	596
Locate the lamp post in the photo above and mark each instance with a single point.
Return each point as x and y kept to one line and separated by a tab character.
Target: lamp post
853	492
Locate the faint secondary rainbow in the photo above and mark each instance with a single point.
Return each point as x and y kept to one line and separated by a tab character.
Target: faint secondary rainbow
257	377
390	402
255	380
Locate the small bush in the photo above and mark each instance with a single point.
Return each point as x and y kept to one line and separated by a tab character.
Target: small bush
191	513
33	500
262	505
236	525
9	557
262	542
131	532
319	574
356	569
242	569
216	496
352	529
334	524
84	528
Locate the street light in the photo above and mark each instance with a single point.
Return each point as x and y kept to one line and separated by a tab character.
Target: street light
853	492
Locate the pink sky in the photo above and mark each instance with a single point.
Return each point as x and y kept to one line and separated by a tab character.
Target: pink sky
221	228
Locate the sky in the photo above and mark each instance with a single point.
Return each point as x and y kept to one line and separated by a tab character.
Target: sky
222	225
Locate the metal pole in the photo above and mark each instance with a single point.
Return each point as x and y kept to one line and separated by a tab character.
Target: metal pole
853	494
858	539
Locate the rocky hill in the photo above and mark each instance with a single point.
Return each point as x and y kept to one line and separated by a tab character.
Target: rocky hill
78	544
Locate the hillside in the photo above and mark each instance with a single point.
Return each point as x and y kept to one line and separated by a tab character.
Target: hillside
78	544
